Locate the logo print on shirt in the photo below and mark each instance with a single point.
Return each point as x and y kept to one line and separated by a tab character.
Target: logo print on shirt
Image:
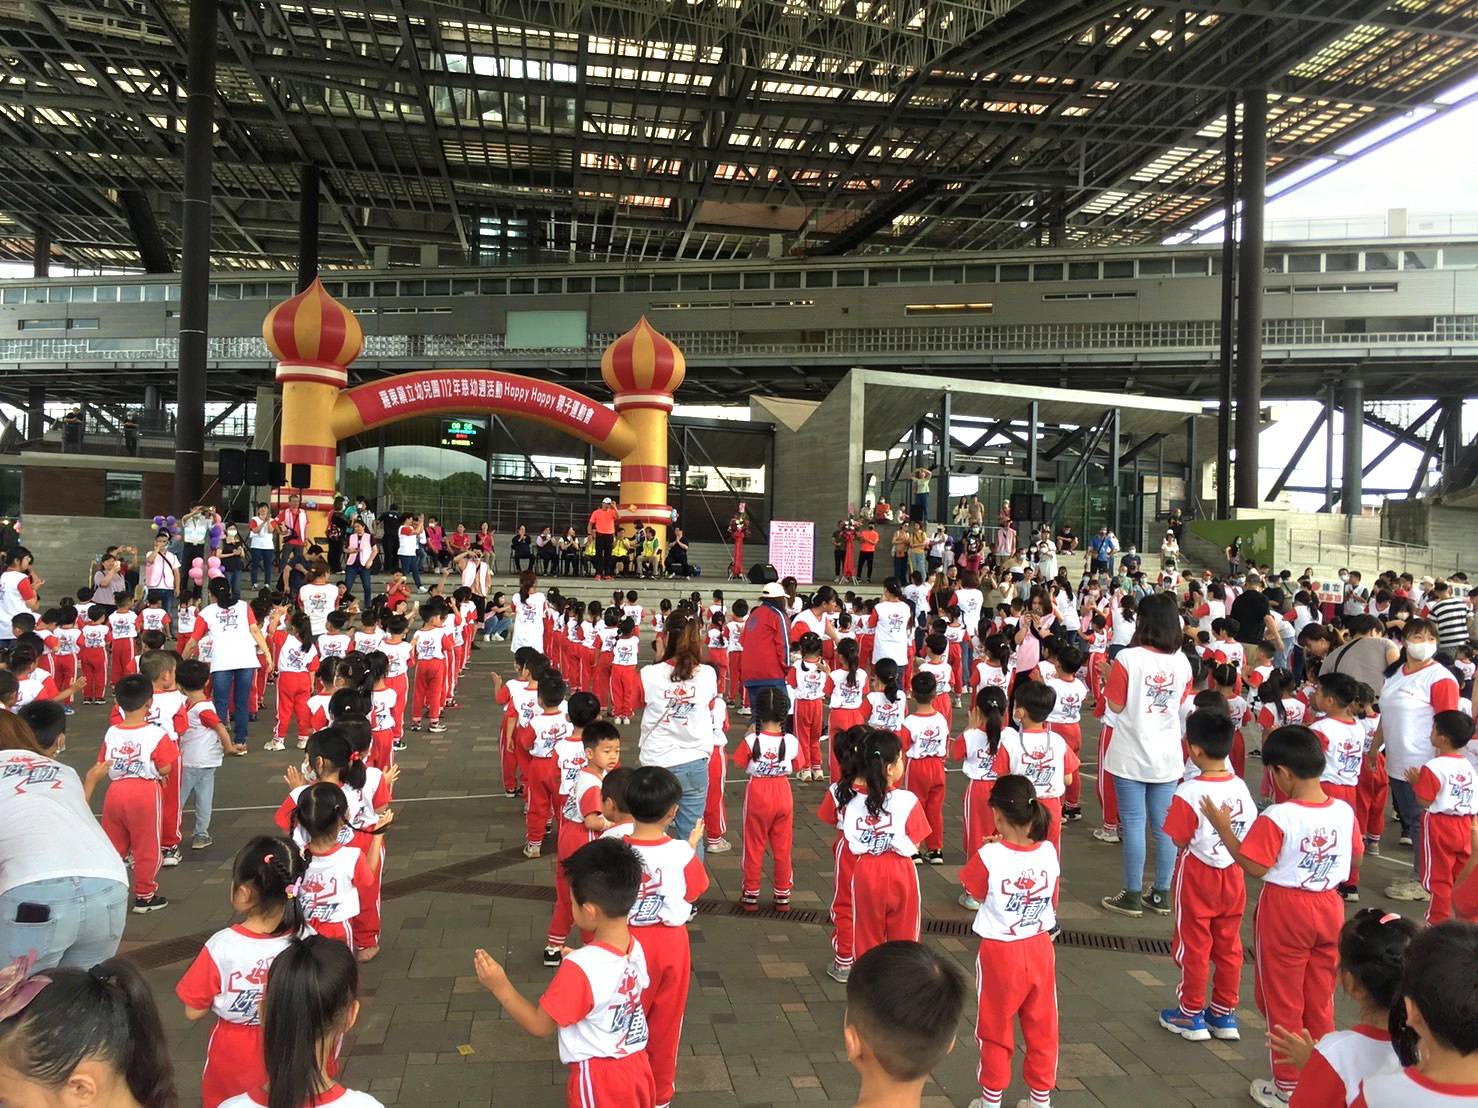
1026	898
649	898
1460	789
32	774
876	832
1038	767
322	896
1319	855
628	1020
1159	688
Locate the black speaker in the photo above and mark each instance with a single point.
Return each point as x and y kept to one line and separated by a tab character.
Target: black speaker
231	466
762	573
302	475
277	475
258	468
1028	507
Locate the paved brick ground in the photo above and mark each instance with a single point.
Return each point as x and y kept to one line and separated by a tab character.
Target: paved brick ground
764	1023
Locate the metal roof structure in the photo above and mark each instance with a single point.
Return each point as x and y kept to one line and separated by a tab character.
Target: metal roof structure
636	129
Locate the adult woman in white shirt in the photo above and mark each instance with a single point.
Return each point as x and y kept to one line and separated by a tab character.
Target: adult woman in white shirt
1147	682
971	601
892	622
1065	607
677	720
238	650
261	545
528	614
1169	552
63	888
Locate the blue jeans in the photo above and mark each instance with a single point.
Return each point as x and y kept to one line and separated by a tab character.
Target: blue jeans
166	599
1134	797
497	625
233	685
234	577
362	575
86	923
410	565
261	560
693	777
200	780
918	563
752	687
1409	812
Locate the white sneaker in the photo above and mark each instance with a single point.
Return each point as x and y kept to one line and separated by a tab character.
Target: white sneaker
719	846
1266	1094
968	901
1407	890
1105	835
276	744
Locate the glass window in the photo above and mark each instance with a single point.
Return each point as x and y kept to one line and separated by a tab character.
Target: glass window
229	290
10	296
333	288
520	285
1121	268
1380	261
358	288
493	286
36	294
984	273
10	489
1047	271
756	280
1272	263
818	279
725	281
1342	262
466	286
550	284
82	324
437	287
577	284
107	294
1190	267
123	495
280	290
1419	259
882	277
132	294
1460	255
1015	272
1082	271
59	294
1304	263
788	279
946	275
693	282
387	288
914	275
255	290
635	282
851	278
171	293
83	294
608	283
663	282
1155	267
407	288
42	324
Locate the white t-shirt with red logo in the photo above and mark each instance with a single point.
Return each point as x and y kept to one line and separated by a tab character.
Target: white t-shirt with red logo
1344	750
1445	786
1411	1088
892	622
430	644
1342	1060
382	709
1015	885
809	681
899	827
333	645
1408	701
672	878
15	590
41	801
549	728
1150	685
1042	757
1305	846
398	655
626	651
845	694
595	998
1186	823
925	736
297	657
232	644
123	625
317	602
885	714
330	888
777	754
977	760
1070	696
229	975
582	798
337	1097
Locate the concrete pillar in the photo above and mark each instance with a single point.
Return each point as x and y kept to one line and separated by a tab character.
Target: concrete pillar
35	410
941	478
307	225
1228	312
1354	456
264	425
1452	433
41	253
1113	447
1033	423
1328	445
1249	295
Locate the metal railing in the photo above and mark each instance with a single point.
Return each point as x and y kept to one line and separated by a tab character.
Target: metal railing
1322	548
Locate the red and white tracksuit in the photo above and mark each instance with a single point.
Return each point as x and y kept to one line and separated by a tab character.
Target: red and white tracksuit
978	764
809	682
296	663
841	897
769	810
124	628
1016	965
93	657
1108	799
429	693
1043	758
139	757
715	822
885	884
1445	787
926	741
849	708
541	772
582	801
520	702
626	691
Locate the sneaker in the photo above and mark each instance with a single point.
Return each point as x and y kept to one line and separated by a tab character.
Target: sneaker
487	638
437	728
142	904
782	906
1372	845
200	842
1350	894
531	850
415	725
1192	1028
1407	890
1158	901
1124	903
69	710
398	745
1223	1027
968	901
552	956
1106	834
839	974
275	744
1267	1094
510	794
302	742
719	846
1404	840
497	638
918	859
750	903
1072	815
170	856
936	857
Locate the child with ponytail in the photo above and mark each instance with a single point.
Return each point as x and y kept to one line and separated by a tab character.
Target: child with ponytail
768	755
925	735
296	662
626	691
847	687
1015	880
844	751
338	876
886	704
229	974
311	1002
976	749
884	826
808	679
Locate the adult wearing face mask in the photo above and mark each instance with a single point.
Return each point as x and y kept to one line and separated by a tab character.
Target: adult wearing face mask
233	556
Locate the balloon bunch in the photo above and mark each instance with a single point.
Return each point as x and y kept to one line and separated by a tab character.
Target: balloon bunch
166	523
201	568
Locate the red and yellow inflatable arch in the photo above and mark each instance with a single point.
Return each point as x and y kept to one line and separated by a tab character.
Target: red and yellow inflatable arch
315	338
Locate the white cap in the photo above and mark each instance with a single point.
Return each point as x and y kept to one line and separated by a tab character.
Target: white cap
773	591
607	500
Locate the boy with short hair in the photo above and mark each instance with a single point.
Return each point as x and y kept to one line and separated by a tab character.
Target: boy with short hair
318	598
580	810
123	625
619	823
429	646
1303	849
335	642
154	617
903	1005
1444	789
595	999
1040	755
167	711
1065	720
1211	895
202	744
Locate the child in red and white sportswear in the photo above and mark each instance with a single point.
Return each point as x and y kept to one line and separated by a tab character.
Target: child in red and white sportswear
1039	755
339	876
123	628
545	731
715	819
167	710
672	878
68	636
833	804
136	758
429	646
768	755
1302	848
397	666
1015	882
317	599
323	690
847	687
519	699
1444	788
975	750
153	617
1210	895
808	679
1374	790
936	664
925	735
886	705
716	641
1372	944
296	663
1433	1026
1343	740
606	632
659	627
369	635
581	818
335	642
1223	679
229	974
626	693
596	1002
883	826
733	630
385	708
1063	720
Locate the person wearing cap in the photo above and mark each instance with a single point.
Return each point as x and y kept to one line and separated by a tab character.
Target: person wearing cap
603	525
765	641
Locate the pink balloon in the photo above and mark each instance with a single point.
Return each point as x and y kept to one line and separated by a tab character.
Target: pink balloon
197	563
196	574
214	563
216	571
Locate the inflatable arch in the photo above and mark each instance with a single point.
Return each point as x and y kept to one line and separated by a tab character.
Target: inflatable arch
314	339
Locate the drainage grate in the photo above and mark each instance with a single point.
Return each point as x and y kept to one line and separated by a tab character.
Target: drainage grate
946	927
160	954
1092	940
1153	946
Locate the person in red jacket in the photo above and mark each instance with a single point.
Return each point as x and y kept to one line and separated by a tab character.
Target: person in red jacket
765	642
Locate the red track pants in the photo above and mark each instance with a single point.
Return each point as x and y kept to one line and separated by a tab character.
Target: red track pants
293	690
603	679
1072	734
626	693
125	661
769	824
401	685
365	927
980	820
1016	980
1347	793
669	966
808	733
624	1082
1446	843
234	1063
572	836
428	694
63	670
131	822
169	807
1108	800
94	662
542	776
885	901
1371	797
1209	904
841	903
714	822
1296	945
924	777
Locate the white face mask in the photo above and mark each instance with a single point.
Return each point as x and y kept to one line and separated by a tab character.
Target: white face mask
1344	576
1421	651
